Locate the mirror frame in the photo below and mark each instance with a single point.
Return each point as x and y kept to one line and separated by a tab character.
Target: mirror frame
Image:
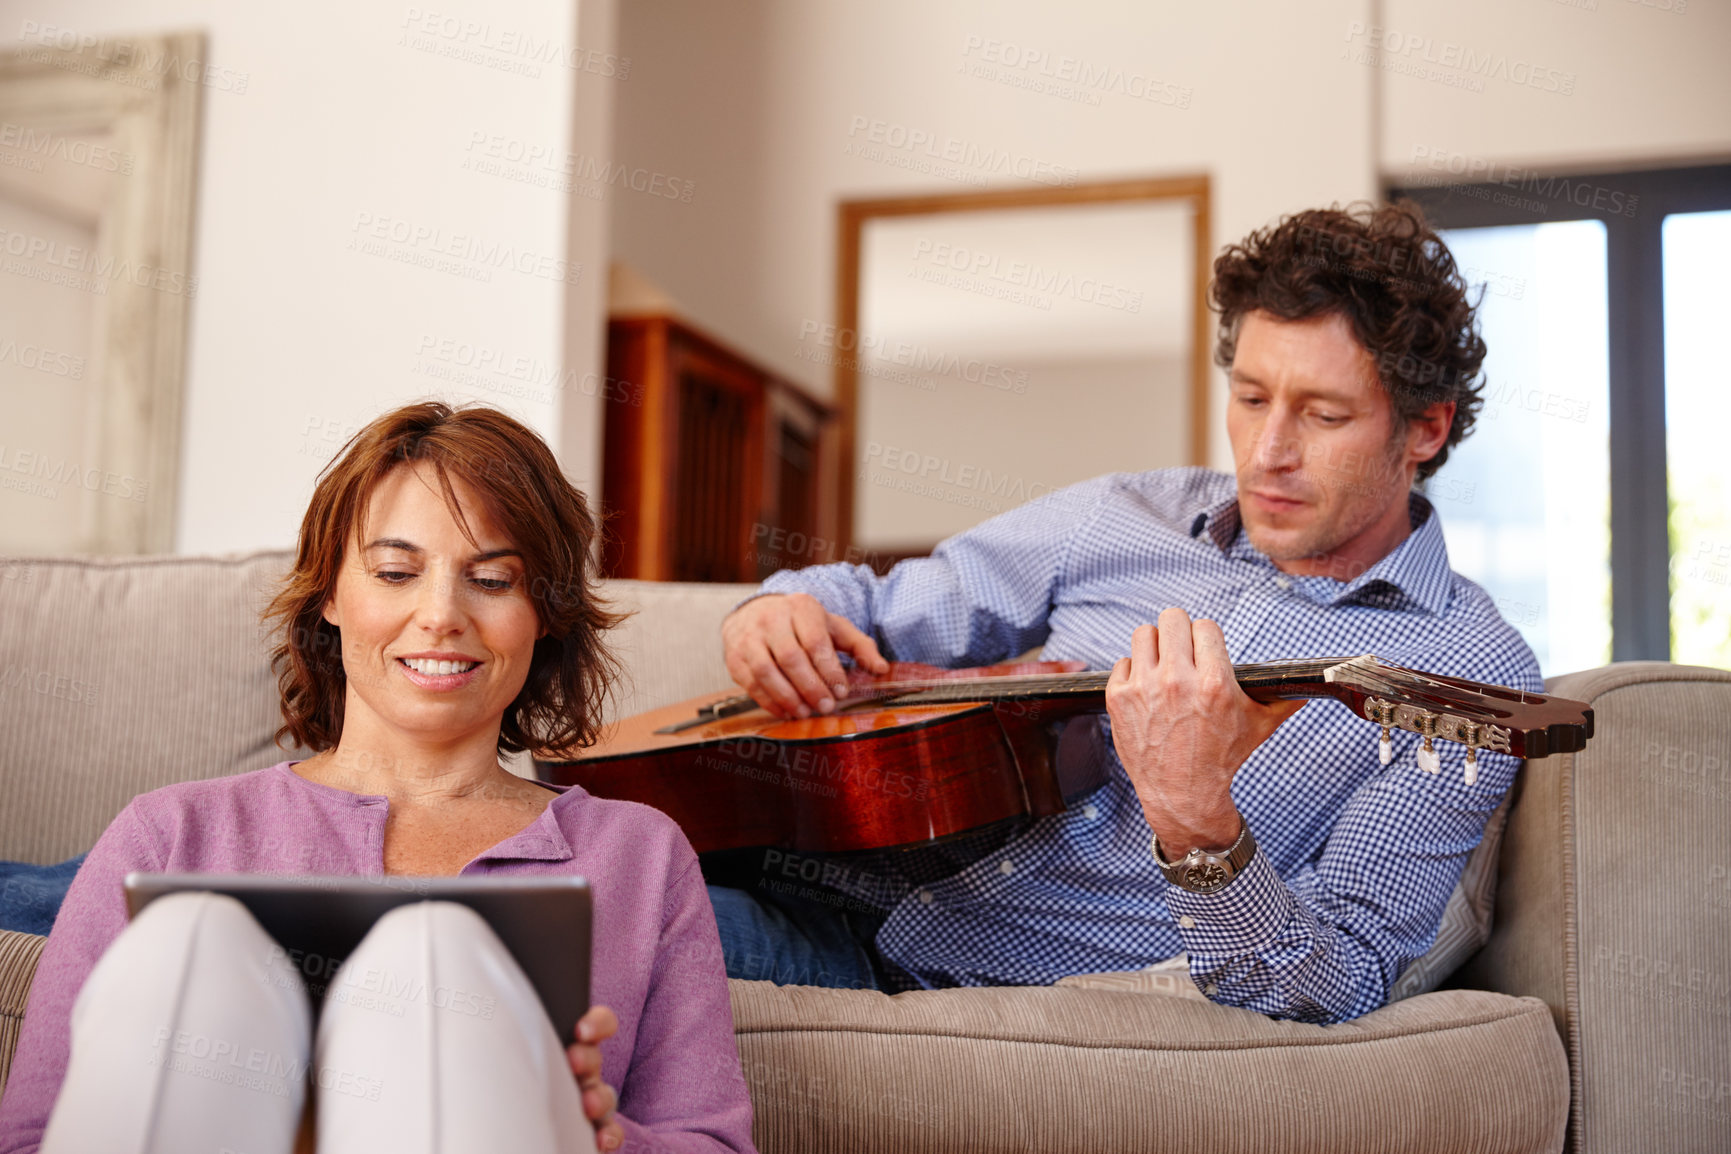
136	89
854	215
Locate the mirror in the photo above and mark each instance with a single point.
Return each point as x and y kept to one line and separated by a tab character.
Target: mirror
98	141
1011	343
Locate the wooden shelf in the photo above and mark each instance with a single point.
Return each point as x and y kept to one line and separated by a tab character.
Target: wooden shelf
712	468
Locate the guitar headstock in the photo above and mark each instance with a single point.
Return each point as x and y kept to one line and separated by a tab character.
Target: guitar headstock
1471	713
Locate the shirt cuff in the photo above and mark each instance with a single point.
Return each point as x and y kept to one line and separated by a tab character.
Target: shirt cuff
1244	918
761	593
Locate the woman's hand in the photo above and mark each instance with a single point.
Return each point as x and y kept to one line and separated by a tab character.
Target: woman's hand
599	1100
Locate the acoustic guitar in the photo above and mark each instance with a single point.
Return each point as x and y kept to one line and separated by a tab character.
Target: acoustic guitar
921	753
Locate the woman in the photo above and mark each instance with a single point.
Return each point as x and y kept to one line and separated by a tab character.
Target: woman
441	612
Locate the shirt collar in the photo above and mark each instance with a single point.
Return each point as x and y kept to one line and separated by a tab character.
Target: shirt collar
1418	567
541	840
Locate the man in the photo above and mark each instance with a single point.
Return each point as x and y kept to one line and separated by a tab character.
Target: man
1353	361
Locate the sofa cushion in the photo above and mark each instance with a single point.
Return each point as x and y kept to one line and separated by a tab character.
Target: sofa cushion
671	644
119	676
1094	1069
1015	1069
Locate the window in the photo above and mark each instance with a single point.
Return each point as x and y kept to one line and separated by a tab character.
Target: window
1697	254
1525	500
1591	502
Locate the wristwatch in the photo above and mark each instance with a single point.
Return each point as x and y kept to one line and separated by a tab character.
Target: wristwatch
1205	872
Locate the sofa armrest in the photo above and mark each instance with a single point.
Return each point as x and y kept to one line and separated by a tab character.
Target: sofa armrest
1614	906
18	956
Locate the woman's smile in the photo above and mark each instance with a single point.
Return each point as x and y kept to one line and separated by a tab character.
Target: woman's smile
440	672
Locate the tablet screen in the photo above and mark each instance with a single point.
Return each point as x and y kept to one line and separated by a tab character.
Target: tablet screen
318	921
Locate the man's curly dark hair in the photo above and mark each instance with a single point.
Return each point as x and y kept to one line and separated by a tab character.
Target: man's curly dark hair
1388	273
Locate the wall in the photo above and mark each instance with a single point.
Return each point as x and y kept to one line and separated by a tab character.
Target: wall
590	204
1557	85
771	107
738	129
767	107
345	147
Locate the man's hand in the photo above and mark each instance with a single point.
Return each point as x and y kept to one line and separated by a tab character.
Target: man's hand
1182	727
599	1100
781	649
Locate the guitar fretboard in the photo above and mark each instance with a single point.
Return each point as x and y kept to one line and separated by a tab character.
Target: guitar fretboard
1293	676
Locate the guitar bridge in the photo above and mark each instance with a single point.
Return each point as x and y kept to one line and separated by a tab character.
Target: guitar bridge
714	711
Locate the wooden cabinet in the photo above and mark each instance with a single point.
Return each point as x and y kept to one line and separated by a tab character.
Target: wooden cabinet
712	468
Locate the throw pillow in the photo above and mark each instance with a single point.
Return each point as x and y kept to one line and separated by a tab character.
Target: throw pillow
30	895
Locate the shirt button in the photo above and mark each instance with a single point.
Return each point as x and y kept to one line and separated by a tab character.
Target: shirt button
1006	867
1090	812
1211	989
1187	922
926	897
1283	582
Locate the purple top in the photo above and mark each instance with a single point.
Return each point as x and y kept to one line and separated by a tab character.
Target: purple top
657	959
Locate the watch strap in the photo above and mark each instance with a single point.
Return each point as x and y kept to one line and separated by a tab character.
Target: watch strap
1205	871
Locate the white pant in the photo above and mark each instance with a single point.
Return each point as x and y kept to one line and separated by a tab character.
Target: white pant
192	1036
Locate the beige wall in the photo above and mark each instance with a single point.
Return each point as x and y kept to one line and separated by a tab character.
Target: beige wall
1566	84
745	112
756	103
760	105
296	337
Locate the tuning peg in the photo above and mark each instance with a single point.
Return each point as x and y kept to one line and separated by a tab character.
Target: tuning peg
1428	758
1382	713
1470	733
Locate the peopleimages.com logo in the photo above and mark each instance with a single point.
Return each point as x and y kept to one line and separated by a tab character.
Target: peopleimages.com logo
1457	61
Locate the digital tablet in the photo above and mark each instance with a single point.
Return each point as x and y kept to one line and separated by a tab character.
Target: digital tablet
318	921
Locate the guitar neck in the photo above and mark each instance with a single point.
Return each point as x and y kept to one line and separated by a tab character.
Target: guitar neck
1264	681
1480	716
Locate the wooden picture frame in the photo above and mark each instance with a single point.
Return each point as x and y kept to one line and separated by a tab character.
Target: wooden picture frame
854	215
144	92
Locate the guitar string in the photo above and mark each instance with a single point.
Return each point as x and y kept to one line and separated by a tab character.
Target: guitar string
1253	674
939	689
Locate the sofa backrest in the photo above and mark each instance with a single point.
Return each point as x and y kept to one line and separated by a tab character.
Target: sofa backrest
119	676
122	675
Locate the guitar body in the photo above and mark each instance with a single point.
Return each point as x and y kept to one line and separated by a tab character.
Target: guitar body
864	778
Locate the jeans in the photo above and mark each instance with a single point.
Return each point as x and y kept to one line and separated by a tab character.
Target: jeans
795	942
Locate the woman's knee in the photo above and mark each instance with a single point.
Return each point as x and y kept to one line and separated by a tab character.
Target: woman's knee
441	952
203	933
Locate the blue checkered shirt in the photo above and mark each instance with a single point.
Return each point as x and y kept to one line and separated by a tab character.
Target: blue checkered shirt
1355	860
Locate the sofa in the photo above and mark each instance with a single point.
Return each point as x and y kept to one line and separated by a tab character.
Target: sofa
1592	1012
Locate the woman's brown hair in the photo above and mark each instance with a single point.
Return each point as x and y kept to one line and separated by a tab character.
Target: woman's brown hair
513	475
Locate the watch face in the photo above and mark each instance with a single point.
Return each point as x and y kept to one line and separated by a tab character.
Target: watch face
1206	876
